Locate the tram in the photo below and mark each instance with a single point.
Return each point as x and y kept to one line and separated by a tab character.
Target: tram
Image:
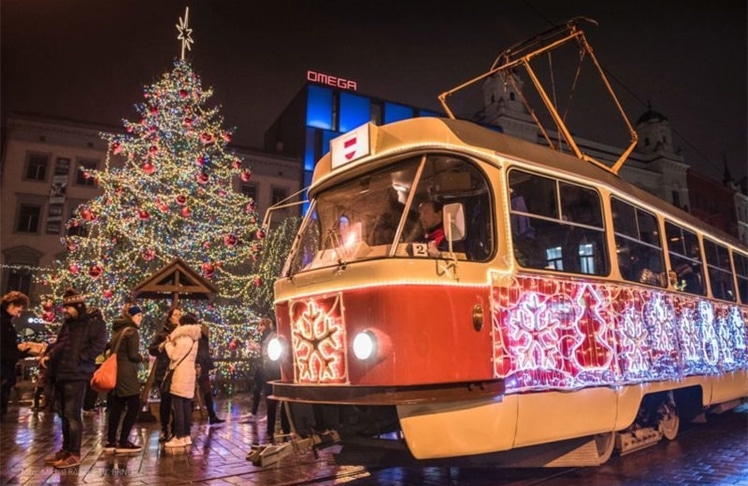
564	314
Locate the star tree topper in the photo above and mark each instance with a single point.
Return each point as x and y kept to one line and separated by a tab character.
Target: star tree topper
185	33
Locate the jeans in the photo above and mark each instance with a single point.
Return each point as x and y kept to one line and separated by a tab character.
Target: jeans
119	406
69	397
182	415
164	412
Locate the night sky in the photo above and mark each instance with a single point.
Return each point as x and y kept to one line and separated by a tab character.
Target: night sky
89	59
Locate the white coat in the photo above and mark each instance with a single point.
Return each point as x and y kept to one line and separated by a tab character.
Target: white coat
183	341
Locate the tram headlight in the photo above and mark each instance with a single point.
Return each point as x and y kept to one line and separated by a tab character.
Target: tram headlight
365	345
275	349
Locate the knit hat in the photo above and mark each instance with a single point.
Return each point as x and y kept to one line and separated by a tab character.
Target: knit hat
134	310
72	297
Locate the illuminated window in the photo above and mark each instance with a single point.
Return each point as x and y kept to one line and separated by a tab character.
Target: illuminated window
319	108
354	111
394	112
719	270
638	246
741	271
554	258
556	225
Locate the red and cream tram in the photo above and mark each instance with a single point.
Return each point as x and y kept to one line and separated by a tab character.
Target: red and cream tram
567	313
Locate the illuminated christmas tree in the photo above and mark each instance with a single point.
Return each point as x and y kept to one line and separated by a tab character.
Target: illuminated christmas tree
169	190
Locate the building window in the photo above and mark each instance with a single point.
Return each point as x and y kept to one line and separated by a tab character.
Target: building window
83	176
676	199
319	108
36	167
278	195
394	112
354	111
28	218
250	190
19	279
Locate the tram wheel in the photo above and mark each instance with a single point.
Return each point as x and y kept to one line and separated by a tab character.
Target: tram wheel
669	423
605	444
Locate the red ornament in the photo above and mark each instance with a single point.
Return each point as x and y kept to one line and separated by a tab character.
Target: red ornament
226	137
149	254
108	293
237	164
208	269
153	149
95	271
258	281
74	268
143	215
183	93
206	138
154	110
72	247
148	168
116	148
202	178
186	211
246	175
188	121
260	234
250	206
181	199
232	345
49	316
48	305
229	240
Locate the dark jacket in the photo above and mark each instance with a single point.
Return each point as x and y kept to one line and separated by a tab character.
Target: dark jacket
128	356
204	358
162	359
79	342
9	353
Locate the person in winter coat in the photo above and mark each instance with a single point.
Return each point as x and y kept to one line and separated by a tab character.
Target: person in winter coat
124	401
181	347
71	361
11	305
203	364
159	370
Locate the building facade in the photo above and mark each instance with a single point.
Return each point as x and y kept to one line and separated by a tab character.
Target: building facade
42	185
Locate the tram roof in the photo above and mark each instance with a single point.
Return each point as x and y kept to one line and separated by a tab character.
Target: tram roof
444	133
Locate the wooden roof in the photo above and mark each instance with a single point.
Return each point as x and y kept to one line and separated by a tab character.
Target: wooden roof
175	279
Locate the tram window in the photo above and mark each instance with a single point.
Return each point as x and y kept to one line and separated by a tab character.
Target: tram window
741	271
556	225
685	258
638	247
720	271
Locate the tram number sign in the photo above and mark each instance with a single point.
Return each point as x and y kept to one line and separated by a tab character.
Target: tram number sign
419	250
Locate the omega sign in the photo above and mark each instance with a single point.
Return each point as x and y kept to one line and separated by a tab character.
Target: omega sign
334	81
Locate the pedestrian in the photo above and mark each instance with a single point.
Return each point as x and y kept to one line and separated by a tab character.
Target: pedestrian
203	365
123	402
12	304
264	326
271	371
71	362
159	370
181	347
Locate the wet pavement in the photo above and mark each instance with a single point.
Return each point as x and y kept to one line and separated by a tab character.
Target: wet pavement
715	453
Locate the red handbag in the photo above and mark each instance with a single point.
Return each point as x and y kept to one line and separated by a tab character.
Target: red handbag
104	379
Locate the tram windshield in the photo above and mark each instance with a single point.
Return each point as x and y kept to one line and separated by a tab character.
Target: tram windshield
381	215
